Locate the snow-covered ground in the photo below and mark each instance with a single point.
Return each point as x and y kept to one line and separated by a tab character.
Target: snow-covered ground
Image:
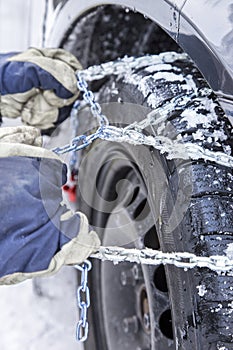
43	314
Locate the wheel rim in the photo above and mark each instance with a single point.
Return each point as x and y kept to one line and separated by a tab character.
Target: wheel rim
136	312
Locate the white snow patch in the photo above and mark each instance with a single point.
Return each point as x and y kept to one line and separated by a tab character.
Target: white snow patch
219	238
215	182
198	135
229	253
168	76
159	67
201	290
219	135
152	101
133	79
193	117
191	82
227	149
219	307
145	86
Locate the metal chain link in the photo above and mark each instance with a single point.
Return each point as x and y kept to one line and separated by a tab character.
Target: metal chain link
90	99
148	256
74	121
83	301
133	133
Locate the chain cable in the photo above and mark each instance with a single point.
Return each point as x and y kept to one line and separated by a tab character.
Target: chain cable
127	64
83	301
74	121
133	133
148	256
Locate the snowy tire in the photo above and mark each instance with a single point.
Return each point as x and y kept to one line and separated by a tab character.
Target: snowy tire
172	205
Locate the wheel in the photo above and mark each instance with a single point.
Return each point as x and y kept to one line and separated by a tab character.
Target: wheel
135	197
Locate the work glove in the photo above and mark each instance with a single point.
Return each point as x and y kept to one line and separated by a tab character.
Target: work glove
39	85
37	234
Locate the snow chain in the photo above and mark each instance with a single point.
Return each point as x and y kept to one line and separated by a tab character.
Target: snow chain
148	256
133	134
83	301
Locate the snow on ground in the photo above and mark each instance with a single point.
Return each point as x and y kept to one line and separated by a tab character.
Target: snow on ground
40	316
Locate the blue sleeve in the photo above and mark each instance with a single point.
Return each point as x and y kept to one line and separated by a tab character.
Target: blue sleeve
31	231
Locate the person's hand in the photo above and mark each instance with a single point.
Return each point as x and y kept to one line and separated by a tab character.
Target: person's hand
38	234
39	85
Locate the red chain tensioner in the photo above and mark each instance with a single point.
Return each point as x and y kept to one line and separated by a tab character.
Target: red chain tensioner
71	186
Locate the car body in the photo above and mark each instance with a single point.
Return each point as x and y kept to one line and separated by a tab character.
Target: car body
203	29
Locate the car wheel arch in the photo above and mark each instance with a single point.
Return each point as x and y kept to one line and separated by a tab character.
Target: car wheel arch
172	18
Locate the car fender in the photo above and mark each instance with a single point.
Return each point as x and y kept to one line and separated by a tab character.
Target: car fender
204	30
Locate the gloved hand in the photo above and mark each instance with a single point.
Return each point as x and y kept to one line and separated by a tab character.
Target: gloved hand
38	234
39	85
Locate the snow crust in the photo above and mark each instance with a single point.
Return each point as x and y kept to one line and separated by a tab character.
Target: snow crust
229	253
201	290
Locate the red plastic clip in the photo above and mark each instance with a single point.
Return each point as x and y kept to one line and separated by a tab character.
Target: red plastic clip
70	187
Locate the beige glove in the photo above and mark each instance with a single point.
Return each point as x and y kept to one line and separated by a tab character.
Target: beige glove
72	253
38	234
38	85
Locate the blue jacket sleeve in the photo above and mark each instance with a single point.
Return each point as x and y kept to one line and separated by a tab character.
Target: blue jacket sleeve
31	231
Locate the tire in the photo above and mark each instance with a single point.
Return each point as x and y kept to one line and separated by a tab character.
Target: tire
135	197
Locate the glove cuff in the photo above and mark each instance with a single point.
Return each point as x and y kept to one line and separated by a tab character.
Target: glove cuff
25	141
71	253
21	134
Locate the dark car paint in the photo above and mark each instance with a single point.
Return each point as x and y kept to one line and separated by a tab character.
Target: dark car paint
203	28
206	34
